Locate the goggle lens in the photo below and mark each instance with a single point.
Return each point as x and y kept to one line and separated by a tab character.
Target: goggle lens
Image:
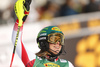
56	37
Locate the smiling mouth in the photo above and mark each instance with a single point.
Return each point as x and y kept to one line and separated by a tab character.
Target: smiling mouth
57	47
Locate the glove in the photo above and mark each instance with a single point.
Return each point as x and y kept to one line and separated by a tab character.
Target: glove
22	8
26	9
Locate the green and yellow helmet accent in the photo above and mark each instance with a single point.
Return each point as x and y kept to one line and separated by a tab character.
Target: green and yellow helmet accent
48	30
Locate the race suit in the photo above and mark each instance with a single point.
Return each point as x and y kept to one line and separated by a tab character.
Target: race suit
29	59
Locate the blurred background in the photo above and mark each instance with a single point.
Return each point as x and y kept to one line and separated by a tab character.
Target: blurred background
78	19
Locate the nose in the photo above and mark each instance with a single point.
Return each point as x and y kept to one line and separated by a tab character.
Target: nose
58	43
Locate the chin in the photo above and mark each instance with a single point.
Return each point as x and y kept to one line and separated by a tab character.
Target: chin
55	52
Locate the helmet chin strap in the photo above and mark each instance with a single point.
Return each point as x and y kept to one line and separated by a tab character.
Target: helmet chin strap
62	51
54	55
53	51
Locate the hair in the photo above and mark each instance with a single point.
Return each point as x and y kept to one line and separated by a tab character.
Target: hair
43	54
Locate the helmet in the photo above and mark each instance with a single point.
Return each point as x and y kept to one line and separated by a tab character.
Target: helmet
50	34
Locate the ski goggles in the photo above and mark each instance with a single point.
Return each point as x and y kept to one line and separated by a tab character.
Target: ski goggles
56	37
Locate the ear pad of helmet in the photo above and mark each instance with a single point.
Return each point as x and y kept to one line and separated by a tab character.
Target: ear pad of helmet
44	45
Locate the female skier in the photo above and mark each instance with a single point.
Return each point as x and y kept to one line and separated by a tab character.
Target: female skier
50	40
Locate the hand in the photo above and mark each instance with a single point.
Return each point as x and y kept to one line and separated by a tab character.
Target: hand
26	8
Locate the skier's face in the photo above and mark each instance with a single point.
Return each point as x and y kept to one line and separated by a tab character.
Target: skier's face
55	48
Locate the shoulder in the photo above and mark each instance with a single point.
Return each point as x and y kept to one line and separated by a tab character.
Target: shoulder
63	61
70	64
30	63
66	62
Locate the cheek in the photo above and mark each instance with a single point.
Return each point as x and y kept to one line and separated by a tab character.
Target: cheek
60	47
51	46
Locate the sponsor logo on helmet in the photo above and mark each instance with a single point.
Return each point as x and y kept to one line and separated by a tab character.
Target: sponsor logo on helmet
56	29
51	65
43	34
42	38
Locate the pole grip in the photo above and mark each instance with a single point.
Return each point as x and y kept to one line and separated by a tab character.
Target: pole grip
19	10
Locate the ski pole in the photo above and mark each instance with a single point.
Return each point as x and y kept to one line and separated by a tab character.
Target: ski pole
20	13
